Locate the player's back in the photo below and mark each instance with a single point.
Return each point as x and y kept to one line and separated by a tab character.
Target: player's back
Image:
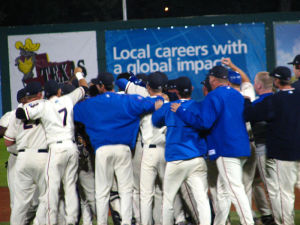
29	134
58	119
56	114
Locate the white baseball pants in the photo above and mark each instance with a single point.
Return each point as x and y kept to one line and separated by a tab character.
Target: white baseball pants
230	183
110	160
136	165
281	179
29	176
194	172
153	167
11	168
62	167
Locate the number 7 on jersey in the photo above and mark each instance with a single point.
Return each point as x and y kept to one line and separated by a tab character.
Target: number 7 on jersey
64	110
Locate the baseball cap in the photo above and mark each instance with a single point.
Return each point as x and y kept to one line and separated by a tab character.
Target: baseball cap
33	88
234	77
171	84
143	77
296	60
51	88
105	78
67	88
206	83
157	80
123	75
218	72
183	84
282	73
21	94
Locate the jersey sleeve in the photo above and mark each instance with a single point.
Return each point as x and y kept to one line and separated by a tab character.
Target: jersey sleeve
11	131
132	88
247	89
139	105
34	110
76	95
201	115
158	117
5	119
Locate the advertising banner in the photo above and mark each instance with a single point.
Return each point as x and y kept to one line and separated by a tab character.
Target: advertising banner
186	51
47	56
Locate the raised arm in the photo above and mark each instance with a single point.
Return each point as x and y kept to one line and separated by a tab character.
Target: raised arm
229	63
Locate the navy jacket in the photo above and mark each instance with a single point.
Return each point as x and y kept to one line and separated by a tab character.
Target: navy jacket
282	112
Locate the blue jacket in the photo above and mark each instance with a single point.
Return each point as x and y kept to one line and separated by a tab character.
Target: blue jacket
182	141
221	112
112	118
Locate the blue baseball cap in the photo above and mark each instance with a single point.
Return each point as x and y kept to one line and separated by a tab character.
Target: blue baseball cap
21	94
51	88
234	77
33	88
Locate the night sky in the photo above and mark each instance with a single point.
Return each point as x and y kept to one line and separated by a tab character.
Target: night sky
33	12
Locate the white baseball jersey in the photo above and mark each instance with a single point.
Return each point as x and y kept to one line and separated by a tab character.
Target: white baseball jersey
132	88
151	134
27	135
56	115
4	121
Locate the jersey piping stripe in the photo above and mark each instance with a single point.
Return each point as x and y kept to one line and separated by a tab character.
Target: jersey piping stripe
27	115
127	86
191	201
48	184
8	138
223	163
83	91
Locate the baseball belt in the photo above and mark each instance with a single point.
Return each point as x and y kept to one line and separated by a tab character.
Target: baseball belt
39	150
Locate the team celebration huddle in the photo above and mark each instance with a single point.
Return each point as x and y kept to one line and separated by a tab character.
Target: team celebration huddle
149	154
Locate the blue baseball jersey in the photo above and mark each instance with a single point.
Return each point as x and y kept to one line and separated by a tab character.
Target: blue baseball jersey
112	118
221	113
182	140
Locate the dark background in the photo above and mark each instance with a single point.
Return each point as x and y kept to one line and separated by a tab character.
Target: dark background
33	12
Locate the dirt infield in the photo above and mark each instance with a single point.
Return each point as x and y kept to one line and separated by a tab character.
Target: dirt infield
4	204
5	209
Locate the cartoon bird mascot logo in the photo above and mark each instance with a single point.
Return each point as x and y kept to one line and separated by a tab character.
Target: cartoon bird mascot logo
26	61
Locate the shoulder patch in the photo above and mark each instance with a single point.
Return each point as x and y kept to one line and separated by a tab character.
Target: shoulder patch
32	105
211	152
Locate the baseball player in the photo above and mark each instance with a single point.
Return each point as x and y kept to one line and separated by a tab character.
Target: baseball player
281	111
12	149
221	112
112	136
240	81
184	155
114	201
153	163
56	115
30	140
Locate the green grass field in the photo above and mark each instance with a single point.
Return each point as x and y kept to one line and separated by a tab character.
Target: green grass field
3	158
